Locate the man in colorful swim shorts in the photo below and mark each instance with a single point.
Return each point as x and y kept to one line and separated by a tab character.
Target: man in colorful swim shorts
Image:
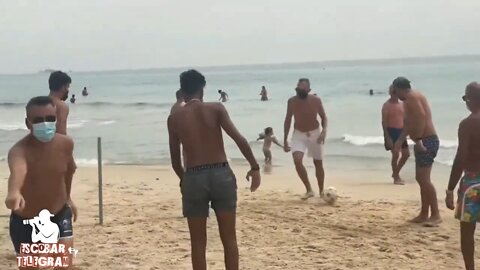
419	126
467	161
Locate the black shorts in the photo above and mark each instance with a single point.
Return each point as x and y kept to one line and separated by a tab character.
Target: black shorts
22	234
394	134
426	159
213	184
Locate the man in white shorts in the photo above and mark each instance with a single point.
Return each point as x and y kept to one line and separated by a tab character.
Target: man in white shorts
307	135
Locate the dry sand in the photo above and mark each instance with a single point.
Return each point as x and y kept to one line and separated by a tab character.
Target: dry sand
367	229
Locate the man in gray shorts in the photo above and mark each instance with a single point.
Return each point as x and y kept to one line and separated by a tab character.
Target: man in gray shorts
197	126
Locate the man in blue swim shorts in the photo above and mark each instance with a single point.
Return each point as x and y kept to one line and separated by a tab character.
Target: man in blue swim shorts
392	124
419	126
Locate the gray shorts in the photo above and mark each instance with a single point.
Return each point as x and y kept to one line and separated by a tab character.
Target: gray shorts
213	183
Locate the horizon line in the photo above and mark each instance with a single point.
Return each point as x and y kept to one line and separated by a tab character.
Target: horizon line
334	61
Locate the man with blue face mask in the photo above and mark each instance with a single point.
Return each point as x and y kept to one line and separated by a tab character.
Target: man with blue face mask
41	172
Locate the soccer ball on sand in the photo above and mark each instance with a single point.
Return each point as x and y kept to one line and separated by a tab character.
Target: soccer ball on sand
330	195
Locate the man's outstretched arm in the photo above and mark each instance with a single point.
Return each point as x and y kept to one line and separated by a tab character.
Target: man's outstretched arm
18	171
227	125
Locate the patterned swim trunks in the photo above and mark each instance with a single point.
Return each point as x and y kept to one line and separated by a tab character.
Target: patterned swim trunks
426	159
468	205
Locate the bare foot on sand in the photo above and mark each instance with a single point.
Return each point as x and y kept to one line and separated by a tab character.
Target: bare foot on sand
308	195
397	180
419	219
433	222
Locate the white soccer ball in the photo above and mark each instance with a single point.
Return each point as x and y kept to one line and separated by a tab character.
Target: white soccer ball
330	195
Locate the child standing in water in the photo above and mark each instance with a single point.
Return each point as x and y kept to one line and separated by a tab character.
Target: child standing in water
268	138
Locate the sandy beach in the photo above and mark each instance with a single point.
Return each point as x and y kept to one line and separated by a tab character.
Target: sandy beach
367	229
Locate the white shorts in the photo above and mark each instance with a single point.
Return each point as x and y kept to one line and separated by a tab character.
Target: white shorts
303	141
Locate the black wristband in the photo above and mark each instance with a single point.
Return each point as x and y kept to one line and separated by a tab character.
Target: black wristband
255	168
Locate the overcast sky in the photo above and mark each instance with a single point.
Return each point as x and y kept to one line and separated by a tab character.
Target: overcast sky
118	34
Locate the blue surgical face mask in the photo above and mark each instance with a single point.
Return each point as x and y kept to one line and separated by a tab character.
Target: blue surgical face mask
44	131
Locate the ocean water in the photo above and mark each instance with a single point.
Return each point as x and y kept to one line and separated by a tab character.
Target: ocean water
129	109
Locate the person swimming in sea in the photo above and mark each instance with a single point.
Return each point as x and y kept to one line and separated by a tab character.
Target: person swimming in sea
268	138
223	96
264	94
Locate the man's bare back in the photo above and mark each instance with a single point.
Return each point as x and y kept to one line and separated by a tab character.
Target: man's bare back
305	112
471	127
62	111
198	126
417	107
46	166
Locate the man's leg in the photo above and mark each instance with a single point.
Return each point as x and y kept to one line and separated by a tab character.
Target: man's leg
467	232
301	171
394	164
228	234
428	194
68	242
320	173
403	159
198	239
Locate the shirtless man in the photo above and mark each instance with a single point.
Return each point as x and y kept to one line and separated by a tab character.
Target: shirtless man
59	83
41	171
467	162
419	126
207	178
392	123
307	135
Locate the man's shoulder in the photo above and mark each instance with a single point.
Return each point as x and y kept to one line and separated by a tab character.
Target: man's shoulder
60	104
18	148
315	98
216	106
63	139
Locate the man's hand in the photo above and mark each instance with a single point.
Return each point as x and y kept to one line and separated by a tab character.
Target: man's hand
286	147
321	138
419	147
255	178
74	209
15	201
449	201
389	143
